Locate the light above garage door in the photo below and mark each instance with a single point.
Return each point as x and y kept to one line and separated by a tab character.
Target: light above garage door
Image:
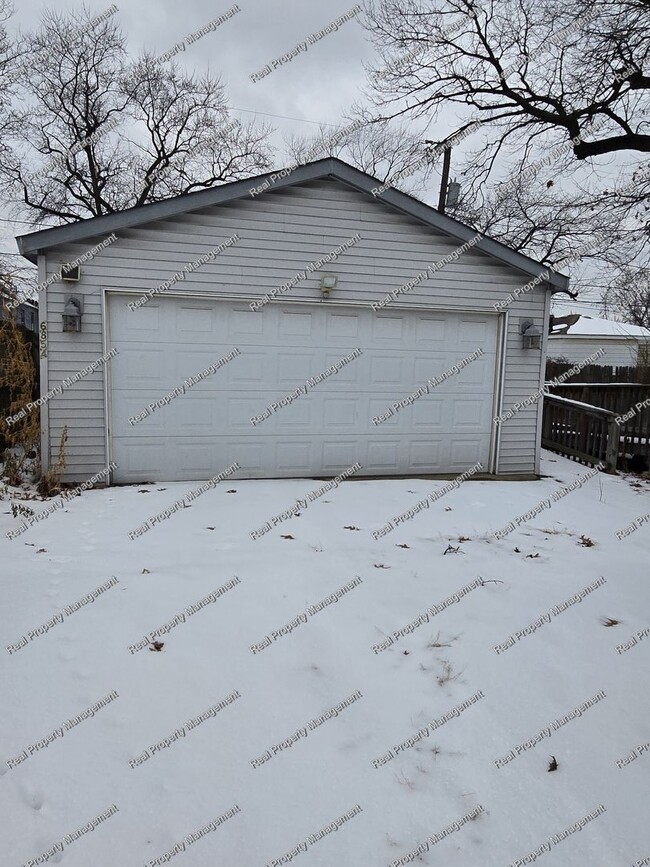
283	350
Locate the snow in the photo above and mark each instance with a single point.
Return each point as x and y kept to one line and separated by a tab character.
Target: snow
210	705
589	326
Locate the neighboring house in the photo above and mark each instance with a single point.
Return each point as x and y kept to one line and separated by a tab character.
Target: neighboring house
26	313
623	345
281	236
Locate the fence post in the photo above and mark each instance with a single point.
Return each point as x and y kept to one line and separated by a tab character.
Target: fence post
613	444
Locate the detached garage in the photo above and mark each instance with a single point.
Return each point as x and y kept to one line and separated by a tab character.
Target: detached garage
296	326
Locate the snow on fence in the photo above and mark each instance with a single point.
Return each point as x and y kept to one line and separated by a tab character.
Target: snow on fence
591	434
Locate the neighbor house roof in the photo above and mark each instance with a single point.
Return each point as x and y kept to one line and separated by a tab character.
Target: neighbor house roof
329	168
590	326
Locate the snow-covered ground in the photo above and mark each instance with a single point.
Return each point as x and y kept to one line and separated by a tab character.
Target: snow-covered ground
224	733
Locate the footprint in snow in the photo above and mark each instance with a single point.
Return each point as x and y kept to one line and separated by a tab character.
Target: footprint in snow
32	796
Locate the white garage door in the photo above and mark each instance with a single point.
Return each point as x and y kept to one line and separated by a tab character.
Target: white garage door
320	432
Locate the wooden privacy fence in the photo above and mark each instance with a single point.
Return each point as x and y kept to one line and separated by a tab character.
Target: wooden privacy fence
593	434
599	373
619	397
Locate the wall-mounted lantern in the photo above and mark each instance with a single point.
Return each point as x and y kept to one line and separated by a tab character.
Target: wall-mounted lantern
72	311
327	283
532	335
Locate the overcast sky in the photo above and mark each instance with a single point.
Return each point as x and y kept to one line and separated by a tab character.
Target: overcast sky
317	86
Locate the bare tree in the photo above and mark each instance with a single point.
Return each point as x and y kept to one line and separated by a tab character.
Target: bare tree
568	226
9	60
630	293
547	90
389	152
529	72
101	133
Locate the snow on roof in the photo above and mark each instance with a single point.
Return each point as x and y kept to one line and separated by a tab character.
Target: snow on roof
590	326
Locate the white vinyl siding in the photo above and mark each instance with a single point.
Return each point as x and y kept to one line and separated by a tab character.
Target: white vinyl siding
618	351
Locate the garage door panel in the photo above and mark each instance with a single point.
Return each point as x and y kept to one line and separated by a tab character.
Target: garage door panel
251	456
386	370
195	458
237	412
192	459
193	411
296	324
143	322
426	412
128	405
146	460
340	414
335	456
241	323
382	456
352	373
431	332
292	368
321	432
377	407
181	366
430	365
387	330
423	453
472	378
344	326
133	366
301	417
195	321
250	369
467	414
465	452
295	456
472	333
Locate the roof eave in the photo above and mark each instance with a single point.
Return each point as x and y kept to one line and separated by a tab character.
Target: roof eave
34	243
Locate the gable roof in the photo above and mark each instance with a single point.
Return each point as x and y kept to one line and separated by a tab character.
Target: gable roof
591	326
30	245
